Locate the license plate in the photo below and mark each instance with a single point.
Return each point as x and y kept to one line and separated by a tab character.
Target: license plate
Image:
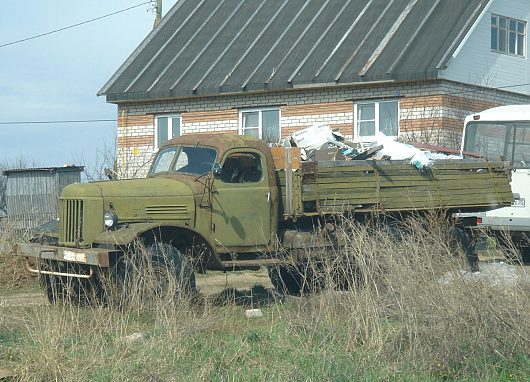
74	256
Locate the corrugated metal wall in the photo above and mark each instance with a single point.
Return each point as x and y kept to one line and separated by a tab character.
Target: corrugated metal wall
33	194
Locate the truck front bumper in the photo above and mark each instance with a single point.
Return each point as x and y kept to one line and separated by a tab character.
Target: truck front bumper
91	257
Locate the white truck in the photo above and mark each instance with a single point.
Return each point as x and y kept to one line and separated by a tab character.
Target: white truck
504	132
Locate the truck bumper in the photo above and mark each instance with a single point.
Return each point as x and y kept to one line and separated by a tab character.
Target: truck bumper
84	256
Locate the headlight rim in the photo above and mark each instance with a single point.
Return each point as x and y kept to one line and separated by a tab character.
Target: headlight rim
111	218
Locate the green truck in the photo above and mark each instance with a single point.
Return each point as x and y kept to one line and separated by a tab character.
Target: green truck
228	202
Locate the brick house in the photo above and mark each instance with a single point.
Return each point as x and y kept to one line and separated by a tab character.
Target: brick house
408	68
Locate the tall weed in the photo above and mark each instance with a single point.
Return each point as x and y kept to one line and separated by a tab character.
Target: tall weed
411	312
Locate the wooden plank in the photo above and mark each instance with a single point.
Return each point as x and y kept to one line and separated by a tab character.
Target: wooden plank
280	153
396	185
456	196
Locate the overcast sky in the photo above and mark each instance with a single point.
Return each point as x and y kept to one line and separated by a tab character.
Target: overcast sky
56	77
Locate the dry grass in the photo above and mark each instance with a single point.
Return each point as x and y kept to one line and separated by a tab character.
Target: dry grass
12	270
411	315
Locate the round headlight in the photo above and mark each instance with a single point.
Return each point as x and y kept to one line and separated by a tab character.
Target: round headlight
110	219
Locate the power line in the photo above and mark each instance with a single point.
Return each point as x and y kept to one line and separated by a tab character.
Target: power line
50	122
115	120
73	26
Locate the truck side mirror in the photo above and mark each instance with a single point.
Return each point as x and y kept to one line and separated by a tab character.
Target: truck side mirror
217	170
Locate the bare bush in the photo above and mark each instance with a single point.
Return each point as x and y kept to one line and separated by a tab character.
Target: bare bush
12	269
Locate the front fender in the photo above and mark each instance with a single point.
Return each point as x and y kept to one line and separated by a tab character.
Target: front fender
129	233
124	235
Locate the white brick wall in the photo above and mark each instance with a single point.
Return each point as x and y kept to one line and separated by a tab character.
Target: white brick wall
230	125
134	165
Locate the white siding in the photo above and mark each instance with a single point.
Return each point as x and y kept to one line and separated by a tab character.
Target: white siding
476	64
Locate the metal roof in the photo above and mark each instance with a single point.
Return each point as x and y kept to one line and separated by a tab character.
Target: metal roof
45	169
208	47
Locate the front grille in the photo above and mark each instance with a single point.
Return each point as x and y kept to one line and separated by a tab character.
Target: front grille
72	221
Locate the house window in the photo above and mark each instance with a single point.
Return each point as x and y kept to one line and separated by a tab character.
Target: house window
508	36
261	123
374	117
166	127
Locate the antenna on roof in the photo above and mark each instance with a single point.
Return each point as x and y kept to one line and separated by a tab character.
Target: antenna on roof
158	13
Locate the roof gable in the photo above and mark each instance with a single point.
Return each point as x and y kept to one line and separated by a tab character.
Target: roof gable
207	47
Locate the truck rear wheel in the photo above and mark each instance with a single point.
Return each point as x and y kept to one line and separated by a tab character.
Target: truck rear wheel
286	280
296	279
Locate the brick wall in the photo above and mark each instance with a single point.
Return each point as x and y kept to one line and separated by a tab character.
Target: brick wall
430	112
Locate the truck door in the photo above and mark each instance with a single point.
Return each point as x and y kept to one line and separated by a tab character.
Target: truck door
241	201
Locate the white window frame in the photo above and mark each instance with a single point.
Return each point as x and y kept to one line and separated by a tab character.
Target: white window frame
520	51
368	138
170	118
260	111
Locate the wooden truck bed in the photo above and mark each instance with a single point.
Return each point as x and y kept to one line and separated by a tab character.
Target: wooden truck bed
384	186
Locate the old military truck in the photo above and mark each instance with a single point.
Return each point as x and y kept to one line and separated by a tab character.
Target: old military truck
227	203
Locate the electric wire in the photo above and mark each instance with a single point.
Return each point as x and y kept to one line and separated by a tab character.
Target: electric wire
73	25
115	120
50	122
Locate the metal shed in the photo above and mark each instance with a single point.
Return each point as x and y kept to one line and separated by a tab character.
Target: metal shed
33	194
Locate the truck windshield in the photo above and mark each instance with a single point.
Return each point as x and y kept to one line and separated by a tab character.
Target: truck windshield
193	160
505	140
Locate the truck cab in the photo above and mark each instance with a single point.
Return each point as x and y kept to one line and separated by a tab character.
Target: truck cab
504	133
229	176
211	195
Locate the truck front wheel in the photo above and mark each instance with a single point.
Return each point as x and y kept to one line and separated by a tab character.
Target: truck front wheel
64	289
172	273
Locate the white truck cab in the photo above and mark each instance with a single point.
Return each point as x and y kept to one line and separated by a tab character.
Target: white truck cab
504	132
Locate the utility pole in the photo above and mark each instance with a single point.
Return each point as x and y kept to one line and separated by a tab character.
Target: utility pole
158	15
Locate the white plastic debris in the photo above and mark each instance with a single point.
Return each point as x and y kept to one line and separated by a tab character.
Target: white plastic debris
312	137
254	313
402	151
318	137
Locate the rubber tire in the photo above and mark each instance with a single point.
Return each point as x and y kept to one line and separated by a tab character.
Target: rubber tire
286	280
76	291
164	258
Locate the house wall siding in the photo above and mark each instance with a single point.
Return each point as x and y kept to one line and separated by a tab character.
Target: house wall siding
477	64
430	112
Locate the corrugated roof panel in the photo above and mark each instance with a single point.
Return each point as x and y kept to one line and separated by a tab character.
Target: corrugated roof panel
261	44
217	46
436	37
353	43
143	59
306	45
186	46
398	46
322	47
379	30
222	73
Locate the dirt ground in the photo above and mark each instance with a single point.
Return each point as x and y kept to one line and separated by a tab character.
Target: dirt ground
211	283
208	284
